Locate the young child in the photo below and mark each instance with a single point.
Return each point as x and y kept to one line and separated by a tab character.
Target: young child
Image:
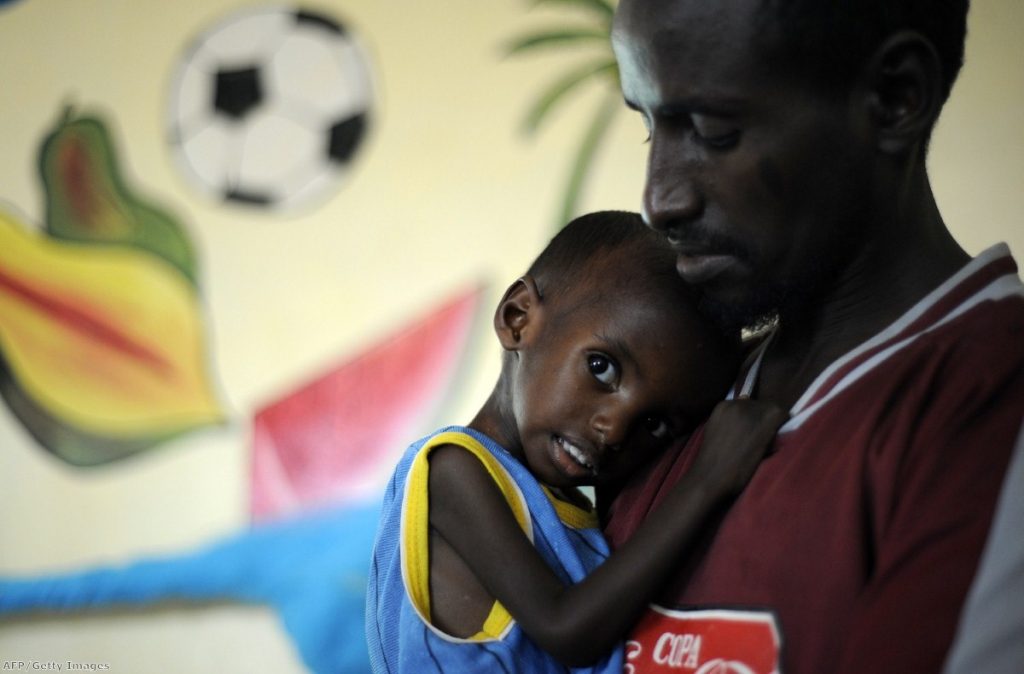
488	558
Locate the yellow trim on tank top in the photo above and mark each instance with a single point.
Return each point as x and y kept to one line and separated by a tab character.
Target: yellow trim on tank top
571	514
417	530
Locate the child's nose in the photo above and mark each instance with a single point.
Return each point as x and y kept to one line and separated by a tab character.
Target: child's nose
612	424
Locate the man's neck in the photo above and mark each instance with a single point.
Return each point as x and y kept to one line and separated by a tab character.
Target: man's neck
885	280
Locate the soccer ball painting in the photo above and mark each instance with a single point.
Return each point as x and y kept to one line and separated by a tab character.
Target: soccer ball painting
269	108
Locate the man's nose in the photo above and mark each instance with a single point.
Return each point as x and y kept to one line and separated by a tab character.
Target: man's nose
672	197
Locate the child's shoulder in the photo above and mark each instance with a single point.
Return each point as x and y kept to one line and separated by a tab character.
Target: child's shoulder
456	469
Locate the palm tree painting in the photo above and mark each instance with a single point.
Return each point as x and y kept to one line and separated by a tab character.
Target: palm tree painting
592	28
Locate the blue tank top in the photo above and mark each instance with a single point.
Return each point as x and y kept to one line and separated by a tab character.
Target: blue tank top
398	630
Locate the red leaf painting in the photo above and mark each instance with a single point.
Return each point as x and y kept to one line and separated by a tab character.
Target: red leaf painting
337	438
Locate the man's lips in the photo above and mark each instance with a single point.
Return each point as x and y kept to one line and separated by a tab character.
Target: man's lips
697	266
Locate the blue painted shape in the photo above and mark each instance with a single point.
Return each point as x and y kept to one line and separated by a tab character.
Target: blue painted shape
310	569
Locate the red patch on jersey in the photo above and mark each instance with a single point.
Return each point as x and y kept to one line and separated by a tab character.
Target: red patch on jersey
715	641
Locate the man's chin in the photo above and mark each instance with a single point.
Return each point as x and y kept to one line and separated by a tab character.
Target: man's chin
752	309
756	305
732	317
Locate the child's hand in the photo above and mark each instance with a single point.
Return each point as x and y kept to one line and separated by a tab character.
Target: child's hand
736	438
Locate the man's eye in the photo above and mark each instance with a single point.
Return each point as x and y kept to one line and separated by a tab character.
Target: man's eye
603	368
657	427
717	133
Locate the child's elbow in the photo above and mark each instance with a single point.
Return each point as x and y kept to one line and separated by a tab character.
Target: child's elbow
573	645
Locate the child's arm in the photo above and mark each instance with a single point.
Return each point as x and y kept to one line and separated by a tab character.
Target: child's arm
579	623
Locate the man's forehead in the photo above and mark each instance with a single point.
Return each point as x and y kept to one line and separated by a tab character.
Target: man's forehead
670	21
703	45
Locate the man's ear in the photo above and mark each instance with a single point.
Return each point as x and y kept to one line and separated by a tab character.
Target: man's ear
518	314
904	79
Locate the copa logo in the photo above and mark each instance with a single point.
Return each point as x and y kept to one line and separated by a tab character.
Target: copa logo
678	650
713	641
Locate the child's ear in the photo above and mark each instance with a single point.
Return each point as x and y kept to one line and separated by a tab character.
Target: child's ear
519	313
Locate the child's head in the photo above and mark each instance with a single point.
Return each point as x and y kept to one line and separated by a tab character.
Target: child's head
606	357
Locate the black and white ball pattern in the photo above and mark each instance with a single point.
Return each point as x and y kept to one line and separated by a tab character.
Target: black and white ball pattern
269	108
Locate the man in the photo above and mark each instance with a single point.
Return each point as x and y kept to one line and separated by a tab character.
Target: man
787	166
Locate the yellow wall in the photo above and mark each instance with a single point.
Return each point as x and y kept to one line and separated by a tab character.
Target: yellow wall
445	192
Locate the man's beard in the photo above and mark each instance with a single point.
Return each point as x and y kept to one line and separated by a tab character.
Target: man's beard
767	303
758	313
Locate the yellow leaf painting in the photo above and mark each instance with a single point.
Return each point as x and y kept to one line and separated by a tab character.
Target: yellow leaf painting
104	339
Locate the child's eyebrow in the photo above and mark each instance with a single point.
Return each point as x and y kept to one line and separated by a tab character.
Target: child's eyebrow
621	348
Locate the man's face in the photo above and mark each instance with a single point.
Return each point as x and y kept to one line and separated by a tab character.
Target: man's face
760	180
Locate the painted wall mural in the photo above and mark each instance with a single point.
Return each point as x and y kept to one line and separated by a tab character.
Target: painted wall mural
591	28
310	570
102	347
322	455
103	351
335	439
269	107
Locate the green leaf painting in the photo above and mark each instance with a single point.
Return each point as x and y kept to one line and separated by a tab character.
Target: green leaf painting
591	26
102	344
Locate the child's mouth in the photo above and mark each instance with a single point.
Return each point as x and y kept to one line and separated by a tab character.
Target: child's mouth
573	460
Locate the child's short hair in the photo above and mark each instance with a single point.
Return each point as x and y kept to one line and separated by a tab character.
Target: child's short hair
566	260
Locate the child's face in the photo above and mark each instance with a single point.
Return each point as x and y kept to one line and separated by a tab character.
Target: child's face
600	389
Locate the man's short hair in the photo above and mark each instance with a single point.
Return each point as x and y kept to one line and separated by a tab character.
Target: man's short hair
834	38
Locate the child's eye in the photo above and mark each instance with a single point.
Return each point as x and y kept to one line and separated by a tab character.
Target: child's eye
657	427
603	368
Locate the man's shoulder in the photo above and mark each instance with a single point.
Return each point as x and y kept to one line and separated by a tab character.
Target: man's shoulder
975	361
970	330
954	384
957	363
986	337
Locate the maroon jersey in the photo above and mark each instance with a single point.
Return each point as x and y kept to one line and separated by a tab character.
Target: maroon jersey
857	538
